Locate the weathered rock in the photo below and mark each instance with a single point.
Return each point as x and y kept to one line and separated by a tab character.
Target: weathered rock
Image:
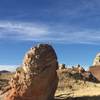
95	68
96	61
39	80
62	66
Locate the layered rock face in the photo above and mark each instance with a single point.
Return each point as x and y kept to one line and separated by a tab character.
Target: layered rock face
39	80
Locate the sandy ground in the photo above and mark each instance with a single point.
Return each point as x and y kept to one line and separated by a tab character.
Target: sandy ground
72	89
89	92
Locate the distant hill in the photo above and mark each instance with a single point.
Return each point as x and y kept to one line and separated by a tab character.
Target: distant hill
4	71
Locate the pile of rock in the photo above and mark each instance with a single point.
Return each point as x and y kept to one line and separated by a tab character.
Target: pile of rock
39	79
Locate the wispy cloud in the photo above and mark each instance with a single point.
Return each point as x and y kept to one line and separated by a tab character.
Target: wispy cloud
22	31
11	68
39	32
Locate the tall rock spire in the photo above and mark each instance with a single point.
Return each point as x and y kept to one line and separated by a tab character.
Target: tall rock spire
39	79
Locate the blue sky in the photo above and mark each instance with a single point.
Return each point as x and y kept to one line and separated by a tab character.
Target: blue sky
71	26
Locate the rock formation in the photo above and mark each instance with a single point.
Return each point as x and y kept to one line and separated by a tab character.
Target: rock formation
62	66
38	80
95	68
96	61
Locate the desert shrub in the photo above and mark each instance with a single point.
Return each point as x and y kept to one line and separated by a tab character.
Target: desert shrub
20	69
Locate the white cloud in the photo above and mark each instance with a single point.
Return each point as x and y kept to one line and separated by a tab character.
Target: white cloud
22	30
42	33
11	68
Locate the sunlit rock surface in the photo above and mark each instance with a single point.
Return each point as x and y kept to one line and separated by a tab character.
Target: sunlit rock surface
38	80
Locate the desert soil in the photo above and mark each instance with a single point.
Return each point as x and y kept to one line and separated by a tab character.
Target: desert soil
90	91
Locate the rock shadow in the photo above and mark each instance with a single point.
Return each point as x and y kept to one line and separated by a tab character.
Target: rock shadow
79	98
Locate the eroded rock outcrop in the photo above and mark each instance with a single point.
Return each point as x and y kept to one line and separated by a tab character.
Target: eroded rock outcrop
96	61
62	66
95	68
39	80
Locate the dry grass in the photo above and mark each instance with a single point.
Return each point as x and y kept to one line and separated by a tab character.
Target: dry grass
6	75
70	88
